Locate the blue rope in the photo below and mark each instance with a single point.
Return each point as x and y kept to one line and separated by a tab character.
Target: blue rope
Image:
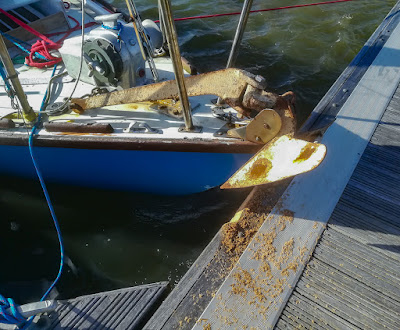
48	200
11	316
9	313
5	79
47	196
17	42
118	28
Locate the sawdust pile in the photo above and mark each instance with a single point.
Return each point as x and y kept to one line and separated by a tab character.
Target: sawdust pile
261	285
237	235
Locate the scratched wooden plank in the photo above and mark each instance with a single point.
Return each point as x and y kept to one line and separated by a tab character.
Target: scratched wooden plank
334	291
337	240
322	317
362	292
336	303
350	300
365	203
366	272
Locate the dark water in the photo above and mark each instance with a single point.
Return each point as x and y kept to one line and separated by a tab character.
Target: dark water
112	239
116	239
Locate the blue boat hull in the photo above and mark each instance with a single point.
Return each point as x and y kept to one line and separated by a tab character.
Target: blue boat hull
158	172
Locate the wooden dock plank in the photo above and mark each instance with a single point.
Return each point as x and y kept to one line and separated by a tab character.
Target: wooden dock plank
349	212
118	304
354	314
354	271
356	289
359	269
334	289
322	317
121	309
349	299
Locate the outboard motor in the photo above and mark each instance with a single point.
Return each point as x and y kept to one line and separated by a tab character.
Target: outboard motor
111	53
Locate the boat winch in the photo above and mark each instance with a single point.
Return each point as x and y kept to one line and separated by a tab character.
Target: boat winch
111	53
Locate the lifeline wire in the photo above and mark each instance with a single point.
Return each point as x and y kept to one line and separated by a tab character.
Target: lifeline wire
259	10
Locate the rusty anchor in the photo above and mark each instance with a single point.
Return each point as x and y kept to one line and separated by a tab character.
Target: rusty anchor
240	89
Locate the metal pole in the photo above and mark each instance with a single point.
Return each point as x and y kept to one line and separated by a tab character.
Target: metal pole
239	32
177	62
238	35
144	43
28	112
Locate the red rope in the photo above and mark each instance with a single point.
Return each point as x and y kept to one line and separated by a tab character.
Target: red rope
44	45
43	49
27	27
260	10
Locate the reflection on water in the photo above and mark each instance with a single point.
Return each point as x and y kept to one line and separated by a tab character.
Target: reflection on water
116	239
